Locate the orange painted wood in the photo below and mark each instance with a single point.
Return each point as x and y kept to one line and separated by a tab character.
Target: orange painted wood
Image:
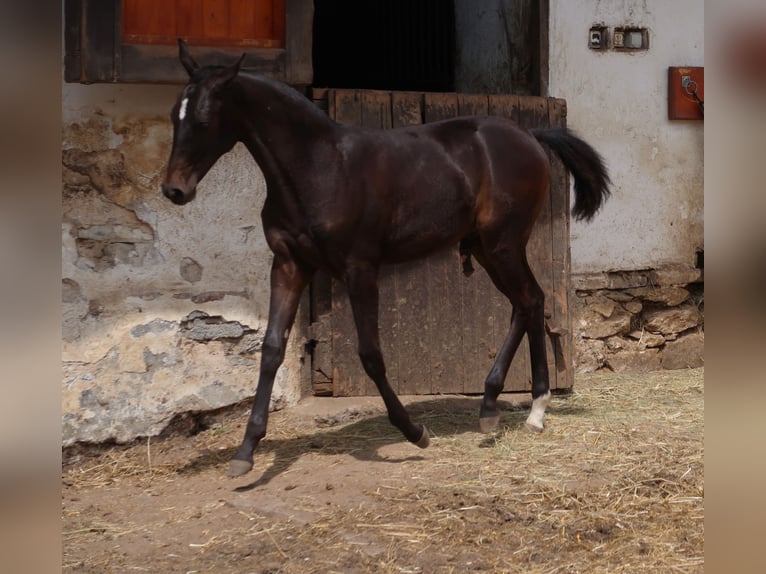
146	17
216	19
251	23
189	18
262	22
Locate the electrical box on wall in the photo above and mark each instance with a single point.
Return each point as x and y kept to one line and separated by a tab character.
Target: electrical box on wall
686	93
629	39
618	39
598	38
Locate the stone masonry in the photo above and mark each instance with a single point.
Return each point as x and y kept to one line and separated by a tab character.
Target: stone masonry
639	321
164	307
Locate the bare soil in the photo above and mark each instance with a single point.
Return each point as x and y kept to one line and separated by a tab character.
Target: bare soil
614	484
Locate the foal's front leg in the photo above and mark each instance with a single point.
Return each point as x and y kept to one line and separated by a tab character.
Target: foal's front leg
288	280
362	284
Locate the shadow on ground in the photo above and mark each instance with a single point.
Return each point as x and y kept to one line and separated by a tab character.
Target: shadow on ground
362	434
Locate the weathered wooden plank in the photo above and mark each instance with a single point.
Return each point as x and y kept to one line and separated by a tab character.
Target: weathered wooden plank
371	109
505	106
445	319
441	369
376	109
444	283
445	288
534	113
442	280
472	104
376	113
482	323
483	306
410	295
508	106
561	262
320	318
406	108
322	358
439	106
349	379
415	347
346	106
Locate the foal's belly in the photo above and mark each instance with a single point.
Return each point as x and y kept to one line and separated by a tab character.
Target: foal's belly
439	219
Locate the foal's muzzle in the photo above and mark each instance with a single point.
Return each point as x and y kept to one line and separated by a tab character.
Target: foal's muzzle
177	195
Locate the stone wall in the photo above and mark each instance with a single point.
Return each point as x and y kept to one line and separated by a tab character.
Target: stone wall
639	321
164	307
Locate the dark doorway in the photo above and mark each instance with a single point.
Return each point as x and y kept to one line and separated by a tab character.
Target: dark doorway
387	44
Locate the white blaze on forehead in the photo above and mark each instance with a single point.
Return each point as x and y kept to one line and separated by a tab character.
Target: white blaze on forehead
182	111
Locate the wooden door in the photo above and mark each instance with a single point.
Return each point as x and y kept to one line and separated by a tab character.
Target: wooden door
440	331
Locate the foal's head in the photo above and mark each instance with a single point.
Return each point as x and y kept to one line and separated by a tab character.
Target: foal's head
201	133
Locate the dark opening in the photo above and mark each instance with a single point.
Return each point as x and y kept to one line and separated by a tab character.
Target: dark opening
700	259
388	44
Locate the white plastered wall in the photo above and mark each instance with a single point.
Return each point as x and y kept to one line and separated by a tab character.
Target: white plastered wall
618	102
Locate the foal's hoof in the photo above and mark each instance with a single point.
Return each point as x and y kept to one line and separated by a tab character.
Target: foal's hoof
239	467
489	424
533	428
425	439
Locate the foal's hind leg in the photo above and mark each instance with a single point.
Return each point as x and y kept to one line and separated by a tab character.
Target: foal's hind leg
362	287
510	272
489	417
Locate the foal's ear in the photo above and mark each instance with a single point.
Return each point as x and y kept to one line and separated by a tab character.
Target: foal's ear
231	72
185	57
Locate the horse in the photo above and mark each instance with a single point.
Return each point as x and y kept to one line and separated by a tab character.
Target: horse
348	200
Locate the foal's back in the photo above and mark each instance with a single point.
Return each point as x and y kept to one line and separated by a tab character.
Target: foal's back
433	183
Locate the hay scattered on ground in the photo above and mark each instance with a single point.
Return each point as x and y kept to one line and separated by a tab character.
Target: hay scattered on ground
615	484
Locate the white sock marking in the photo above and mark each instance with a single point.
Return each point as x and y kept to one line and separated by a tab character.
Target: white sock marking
537	413
182	111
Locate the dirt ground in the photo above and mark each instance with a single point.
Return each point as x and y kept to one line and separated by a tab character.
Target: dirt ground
614	484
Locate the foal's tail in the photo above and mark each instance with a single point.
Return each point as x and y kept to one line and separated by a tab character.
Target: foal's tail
591	179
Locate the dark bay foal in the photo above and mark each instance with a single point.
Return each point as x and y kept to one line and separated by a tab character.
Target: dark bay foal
348	200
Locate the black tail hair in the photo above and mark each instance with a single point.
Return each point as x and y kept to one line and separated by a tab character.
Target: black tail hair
591	178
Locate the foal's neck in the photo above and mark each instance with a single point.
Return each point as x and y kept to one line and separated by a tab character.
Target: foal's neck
281	127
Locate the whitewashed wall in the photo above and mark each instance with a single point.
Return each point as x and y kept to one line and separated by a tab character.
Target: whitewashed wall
134	266
618	101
